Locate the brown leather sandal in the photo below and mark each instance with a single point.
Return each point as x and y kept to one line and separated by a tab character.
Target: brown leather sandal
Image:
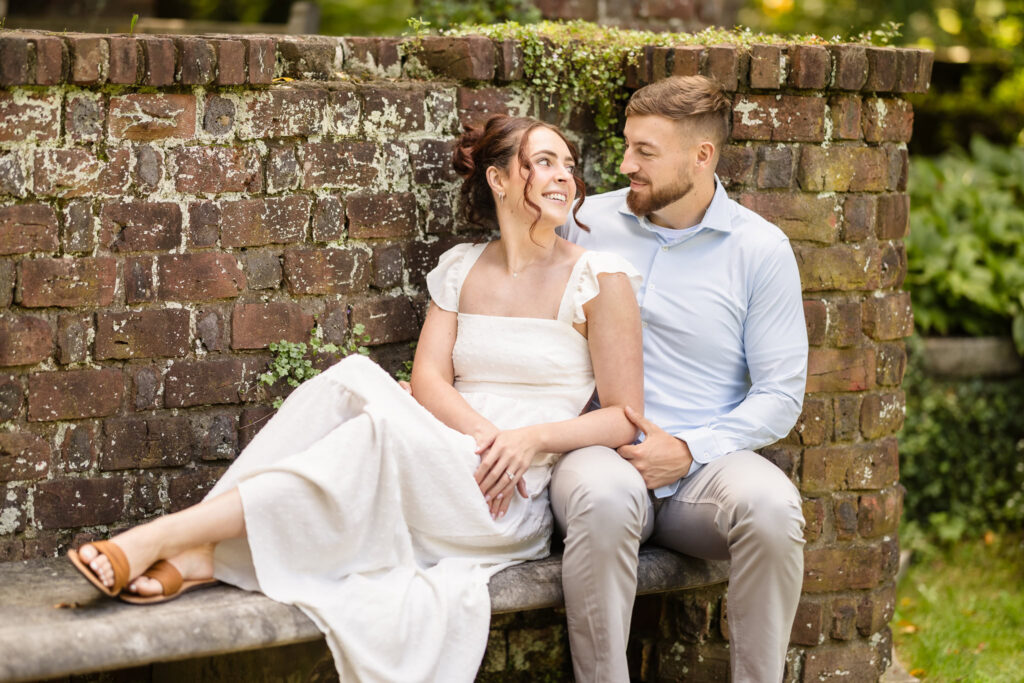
170	578
118	562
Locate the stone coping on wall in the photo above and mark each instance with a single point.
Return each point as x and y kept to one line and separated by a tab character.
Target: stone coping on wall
37	58
53	623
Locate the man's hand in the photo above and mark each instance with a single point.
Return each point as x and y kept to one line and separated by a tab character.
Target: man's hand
661	458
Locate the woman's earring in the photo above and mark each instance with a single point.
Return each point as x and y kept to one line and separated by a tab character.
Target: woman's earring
501	197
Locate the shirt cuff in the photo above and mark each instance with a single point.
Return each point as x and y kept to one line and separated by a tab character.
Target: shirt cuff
702	445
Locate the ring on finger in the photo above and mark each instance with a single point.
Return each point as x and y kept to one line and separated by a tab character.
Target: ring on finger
511	475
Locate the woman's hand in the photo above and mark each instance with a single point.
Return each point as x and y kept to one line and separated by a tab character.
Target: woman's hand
503	462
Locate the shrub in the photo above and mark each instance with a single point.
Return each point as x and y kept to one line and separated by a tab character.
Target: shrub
966	246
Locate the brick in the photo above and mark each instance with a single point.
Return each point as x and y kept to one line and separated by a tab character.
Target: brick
392	110
12	396
254	222
374	54
159	56
438	216
24	340
146	388
815	421
883	69
216	436
219	115
262	269
801	216
463	58
140	226
199	277
84	114
870	466
784	457
8	274
211	329
285	113
921	78
382	215
851	66
334	164
387	320
12	175
387	266
475	105
142	334
51	60
891	364
808	623
852	663
133	442
139	282
190	487
23	456
736	165
152	117
328	219
84	281
256	326
509	61
73	394
334	324
907	60
844	515
686	60
723	65
845	111
840	268
89	60
888	317
308	58
149	168
846	424
780	118
840	370
27	228
814	515
421	258
32	117
432	161
213	170
843	169
892	265
282	168
78	231
893	216
204	382
774	167
845	323
124	60
325	271
63	503
765	67
875	610
143	495
882	414
79	172
878	514
899	166
260	59
859	217
810	66
816	318
74	331
197	61
844	619
841	568
344	104
204	219
887	120
251	421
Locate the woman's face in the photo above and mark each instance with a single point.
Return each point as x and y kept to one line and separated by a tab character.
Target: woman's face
552	188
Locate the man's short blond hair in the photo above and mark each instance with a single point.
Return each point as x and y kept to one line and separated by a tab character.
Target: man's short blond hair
697	101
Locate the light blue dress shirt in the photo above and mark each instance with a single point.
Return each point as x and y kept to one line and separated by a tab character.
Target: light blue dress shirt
725	344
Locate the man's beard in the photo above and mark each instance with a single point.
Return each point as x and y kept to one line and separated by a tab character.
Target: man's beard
658	197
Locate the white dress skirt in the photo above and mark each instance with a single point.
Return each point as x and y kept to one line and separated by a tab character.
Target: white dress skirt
361	508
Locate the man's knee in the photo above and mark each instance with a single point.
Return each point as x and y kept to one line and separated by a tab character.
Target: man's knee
774	518
594	490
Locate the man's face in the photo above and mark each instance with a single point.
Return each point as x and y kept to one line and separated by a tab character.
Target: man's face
658	161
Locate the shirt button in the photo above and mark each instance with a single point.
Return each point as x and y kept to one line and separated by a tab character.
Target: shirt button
650	286
644	324
664	248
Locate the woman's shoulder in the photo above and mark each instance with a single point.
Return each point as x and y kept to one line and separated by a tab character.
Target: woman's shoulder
444	282
587	284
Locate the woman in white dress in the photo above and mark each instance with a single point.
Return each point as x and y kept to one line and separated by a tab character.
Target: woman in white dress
382	515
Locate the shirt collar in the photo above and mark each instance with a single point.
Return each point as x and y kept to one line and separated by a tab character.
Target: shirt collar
717	217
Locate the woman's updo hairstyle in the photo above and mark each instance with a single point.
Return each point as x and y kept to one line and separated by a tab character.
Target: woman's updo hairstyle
494	143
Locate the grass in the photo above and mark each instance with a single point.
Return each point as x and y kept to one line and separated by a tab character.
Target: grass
960	612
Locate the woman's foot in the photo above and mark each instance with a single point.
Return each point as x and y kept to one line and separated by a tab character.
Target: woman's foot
195	564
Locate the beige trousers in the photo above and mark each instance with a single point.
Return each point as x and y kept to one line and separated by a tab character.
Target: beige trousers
739	507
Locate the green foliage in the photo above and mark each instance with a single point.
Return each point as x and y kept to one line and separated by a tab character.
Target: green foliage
450	12
293	361
364	17
960	612
962	452
966	246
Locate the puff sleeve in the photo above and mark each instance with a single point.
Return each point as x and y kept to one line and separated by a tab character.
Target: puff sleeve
444	282
586	286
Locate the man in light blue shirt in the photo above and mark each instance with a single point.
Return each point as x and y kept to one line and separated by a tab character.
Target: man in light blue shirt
725	363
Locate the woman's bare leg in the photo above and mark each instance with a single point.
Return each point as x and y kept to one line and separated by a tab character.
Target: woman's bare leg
185	539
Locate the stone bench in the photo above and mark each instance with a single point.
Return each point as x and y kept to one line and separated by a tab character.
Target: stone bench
53	623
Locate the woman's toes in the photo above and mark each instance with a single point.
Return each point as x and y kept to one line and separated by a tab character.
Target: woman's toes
88	553
145	585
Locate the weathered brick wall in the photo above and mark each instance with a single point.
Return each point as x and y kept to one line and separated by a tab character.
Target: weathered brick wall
166	212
